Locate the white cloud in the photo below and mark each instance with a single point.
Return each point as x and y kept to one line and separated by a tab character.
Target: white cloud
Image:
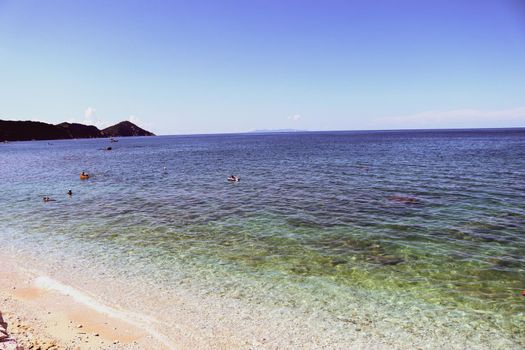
467	117
294	117
90	118
89	112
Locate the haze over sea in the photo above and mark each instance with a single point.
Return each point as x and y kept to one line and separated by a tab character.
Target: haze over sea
376	232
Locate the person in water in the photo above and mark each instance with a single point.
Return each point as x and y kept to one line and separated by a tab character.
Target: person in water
47	199
69	193
233	178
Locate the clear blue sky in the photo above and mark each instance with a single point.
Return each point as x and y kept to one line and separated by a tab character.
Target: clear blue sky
181	67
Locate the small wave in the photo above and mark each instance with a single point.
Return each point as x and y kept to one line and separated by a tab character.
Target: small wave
138	320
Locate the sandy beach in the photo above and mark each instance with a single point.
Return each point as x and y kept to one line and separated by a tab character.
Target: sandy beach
42	312
39	318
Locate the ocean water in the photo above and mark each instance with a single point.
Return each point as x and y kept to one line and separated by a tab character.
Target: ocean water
412	229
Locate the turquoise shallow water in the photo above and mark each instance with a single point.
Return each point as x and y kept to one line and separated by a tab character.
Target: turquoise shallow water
436	218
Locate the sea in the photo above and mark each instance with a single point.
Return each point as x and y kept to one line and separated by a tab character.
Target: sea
407	238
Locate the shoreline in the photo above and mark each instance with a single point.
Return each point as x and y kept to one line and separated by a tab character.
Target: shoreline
71	310
46	304
40	316
52	304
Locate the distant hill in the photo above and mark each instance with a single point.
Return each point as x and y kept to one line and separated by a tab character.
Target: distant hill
269	131
26	130
80	131
29	130
125	128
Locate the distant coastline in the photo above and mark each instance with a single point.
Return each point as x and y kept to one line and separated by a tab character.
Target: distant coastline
361	131
269	131
30	130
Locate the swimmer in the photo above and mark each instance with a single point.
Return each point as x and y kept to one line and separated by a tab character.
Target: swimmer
69	193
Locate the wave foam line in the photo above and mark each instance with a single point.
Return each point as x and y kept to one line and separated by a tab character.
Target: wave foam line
138	320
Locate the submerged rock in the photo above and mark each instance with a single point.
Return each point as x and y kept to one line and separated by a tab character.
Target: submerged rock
336	261
376	249
404	199
379	255
301	270
390	260
505	262
303	222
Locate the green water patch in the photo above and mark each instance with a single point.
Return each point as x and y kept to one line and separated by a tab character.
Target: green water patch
405	260
455	274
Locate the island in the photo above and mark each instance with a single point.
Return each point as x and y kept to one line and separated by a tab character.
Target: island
29	130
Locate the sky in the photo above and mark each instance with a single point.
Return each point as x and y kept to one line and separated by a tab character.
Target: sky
185	67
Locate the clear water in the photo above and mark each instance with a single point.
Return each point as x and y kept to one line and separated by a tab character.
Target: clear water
320	221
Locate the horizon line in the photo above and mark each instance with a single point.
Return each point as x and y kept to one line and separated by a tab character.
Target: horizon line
276	131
